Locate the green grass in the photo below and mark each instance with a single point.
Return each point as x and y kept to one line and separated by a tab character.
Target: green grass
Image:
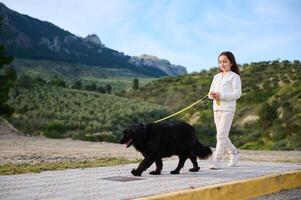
11	168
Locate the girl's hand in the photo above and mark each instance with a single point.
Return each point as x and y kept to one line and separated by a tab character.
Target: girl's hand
216	96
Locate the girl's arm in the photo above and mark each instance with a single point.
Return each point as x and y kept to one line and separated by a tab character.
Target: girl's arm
211	89
236	85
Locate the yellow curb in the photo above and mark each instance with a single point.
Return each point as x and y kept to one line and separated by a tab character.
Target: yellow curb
242	189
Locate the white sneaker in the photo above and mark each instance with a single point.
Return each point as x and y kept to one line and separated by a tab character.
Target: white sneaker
215	165
234	159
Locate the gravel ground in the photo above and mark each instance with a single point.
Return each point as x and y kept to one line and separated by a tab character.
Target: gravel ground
294	194
16	148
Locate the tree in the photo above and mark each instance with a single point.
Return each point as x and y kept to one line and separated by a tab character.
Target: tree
108	89
58	82
91	87
7	78
76	85
135	84
267	115
101	89
25	81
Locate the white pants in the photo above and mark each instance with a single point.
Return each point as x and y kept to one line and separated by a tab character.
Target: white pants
223	121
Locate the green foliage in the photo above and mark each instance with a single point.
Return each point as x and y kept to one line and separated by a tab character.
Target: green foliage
7	78
4	59
54	130
267	114
296	140
271	92
135	84
60	112
58	82
77	76
76	85
108	89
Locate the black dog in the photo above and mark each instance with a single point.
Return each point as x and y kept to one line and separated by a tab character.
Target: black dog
158	140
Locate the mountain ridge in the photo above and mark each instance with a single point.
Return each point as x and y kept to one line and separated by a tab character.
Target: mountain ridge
31	38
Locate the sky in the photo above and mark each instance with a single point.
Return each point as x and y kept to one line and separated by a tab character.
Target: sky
191	33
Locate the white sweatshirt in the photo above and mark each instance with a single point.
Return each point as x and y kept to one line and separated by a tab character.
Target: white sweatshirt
229	87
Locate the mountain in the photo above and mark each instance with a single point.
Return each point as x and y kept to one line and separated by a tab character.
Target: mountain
27	37
162	64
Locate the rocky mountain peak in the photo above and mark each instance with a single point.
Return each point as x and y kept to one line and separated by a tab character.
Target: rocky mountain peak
162	64
94	39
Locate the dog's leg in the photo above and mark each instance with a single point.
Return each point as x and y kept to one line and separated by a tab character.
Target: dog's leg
159	166
196	167
181	163
146	163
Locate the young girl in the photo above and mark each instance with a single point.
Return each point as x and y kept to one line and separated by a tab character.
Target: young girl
225	89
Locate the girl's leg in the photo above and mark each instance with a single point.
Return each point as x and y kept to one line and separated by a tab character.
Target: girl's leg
231	149
223	121
216	156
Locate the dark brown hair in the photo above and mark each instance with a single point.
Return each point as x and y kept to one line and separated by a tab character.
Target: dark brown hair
230	56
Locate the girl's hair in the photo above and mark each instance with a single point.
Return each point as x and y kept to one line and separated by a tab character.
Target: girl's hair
232	60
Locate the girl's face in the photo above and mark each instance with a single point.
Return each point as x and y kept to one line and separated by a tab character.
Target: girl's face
224	63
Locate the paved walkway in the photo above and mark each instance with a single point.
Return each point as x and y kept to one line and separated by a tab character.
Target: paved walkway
117	182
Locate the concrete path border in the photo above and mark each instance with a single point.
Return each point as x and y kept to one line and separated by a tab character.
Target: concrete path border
242	189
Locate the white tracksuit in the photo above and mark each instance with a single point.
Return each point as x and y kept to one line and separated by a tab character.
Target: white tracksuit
229	87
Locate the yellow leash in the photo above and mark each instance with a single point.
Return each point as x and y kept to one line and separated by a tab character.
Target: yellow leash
184	109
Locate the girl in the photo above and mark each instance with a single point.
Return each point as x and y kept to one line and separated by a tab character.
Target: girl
225	89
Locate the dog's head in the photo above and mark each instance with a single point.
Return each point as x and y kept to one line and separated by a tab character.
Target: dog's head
134	134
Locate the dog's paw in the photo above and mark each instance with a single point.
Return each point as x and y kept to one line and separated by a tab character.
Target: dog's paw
195	169
174	172
135	172
155	172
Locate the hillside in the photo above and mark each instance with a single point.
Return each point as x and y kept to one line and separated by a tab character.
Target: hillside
118	78
31	38
60	112
268	113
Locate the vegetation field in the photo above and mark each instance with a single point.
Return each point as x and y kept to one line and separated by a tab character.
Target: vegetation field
59	112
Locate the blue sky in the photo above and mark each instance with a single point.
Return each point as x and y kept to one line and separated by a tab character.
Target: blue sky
190	33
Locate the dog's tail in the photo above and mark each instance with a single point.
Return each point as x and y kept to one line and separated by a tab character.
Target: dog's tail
202	151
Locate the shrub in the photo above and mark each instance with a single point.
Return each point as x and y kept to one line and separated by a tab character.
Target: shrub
282	145
55	130
252	145
267	114
6	110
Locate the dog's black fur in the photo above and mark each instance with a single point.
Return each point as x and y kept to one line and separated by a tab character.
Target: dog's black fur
158	140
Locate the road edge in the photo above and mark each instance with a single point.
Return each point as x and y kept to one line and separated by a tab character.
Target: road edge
242	189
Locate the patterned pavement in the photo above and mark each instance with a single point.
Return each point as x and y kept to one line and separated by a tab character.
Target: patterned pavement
117	182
